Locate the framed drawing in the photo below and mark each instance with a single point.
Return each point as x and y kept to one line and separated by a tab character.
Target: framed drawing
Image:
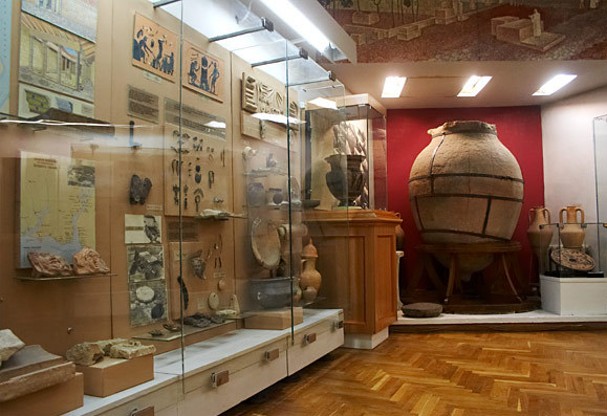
75	16
154	48
203	72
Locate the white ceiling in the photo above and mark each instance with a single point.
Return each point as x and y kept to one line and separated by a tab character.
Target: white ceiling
436	84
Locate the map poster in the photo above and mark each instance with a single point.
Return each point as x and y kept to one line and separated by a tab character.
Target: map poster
57	205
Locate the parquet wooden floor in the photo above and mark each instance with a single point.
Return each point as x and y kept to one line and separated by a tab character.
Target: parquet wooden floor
455	374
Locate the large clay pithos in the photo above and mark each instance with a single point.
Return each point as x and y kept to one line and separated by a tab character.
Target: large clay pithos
466	187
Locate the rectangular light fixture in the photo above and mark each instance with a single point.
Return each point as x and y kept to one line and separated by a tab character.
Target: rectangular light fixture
554	84
300	23
393	86
474	85
323	103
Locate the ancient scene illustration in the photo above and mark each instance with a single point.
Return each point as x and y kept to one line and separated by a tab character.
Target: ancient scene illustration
202	72
56	60
75	16
154	48
142	229
473	30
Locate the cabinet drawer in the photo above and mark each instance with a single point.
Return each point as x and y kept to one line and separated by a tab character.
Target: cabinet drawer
313	342
224	386
162	401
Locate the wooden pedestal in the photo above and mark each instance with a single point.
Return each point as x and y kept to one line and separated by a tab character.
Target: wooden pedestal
357	261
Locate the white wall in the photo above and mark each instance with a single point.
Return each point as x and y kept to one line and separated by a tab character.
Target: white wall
568	151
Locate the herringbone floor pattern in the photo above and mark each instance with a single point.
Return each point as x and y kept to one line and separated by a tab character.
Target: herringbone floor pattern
455	374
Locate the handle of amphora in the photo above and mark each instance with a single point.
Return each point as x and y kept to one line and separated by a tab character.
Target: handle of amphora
581	211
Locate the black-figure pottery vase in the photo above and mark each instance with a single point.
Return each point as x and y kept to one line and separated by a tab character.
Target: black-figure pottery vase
345	180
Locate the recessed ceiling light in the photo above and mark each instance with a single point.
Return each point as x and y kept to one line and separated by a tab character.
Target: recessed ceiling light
393	86
474	85
555	83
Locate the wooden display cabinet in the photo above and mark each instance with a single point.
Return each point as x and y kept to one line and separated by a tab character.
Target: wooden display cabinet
364	242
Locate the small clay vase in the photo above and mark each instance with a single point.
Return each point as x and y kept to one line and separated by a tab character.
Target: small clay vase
256	195
310	277
572	231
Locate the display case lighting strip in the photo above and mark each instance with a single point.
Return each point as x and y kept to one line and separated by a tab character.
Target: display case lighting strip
265	25
302	54
330	77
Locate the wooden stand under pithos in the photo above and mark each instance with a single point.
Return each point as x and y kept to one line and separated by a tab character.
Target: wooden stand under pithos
503	268
357	261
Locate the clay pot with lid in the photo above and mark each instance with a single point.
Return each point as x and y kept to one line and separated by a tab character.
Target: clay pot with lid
466	187
310	278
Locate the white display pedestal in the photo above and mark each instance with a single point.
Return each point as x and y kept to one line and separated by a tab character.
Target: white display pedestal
574	295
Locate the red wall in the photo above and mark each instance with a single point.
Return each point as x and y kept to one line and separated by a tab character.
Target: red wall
518	128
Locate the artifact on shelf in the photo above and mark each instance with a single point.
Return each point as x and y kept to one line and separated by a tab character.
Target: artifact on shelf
48	265
346	179
89	353
275	292
310	277
32	369
89	261
466	187
256	194
540	234
572	232
85	354
139	190
265	243
199	264
9	344
572	259
131	349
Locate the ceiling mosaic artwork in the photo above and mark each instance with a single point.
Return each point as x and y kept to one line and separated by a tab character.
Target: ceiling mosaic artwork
473	30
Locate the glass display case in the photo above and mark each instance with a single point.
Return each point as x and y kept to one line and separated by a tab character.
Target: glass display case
153	216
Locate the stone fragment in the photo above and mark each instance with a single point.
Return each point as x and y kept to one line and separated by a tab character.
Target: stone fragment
88	261
107	344
145	294
85	354
48	265
422	310
9	344
131	349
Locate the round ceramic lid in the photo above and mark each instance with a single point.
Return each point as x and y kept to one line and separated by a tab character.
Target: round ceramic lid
265	242
572	259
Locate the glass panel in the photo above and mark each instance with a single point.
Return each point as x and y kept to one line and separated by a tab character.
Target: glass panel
600	163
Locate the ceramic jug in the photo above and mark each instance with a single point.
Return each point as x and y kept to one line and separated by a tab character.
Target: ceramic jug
310	277
540	233
572	230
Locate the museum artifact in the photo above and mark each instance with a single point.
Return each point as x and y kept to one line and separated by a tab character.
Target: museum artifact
139	190
85	354
9	344
310	277
88	261
571	230
573	259
48	265
269	293
466	187
540	233
346	179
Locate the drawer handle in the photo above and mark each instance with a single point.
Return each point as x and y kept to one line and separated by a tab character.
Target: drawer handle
220	378
271	355
338	325
148	411
309	338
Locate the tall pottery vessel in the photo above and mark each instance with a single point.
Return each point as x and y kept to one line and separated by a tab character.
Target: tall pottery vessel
571	230
466	187
540	234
